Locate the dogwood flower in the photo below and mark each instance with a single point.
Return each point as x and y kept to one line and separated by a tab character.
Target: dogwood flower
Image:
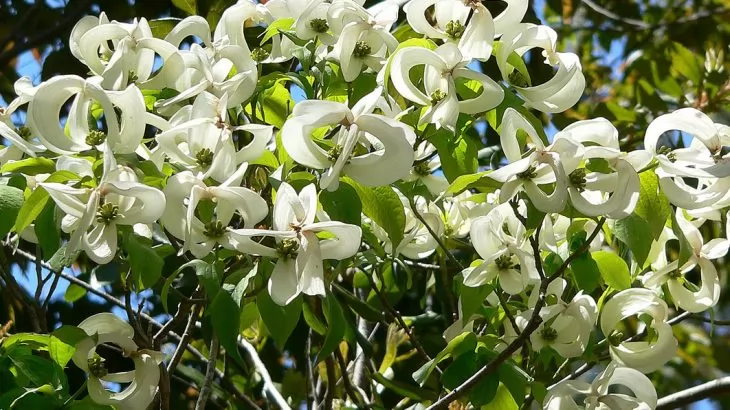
703	159
441	68
598	395
200	214
470	26
123	112
21	139
354	131
92	215
502	242
108	328
557	94
685	294
542	165
654	344
299	248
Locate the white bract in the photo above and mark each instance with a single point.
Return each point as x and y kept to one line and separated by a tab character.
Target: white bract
108	328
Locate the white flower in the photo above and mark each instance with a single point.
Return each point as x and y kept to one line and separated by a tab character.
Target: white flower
108	328
542	165
656	347
703	159
470	27
20	144
389	160
124	114
299	249
200	214
697	298
362	44
597	395
555	95
502	242
92	215
441	68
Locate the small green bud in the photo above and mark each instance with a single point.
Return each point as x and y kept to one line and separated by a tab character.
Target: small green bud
454	29
214	229
288	248
24	132
437	96
97	366
421	169
106	213
549	334
529	173
361	50
319	25
259	54
578	178
95	138
517	79
204	158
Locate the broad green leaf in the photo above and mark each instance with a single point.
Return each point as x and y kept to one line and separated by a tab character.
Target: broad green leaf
47	231
163	26
484	391
34	204
653	205
30	166
478	180
404	389
383	206
460	370
465	342
359	306
62	344
336	326
613	269
279	320
188	6
73	293
279	25
276	102
34	341
634	231
144	263
63	258
585	270
313	321
225	317
458	154
503	400
38	370
686	63
11	201
343	204
515	379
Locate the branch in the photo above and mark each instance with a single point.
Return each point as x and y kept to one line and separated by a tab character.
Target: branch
693	394
524	336
206	389
269	387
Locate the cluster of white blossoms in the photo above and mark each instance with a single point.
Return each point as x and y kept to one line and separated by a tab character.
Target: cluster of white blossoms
191	111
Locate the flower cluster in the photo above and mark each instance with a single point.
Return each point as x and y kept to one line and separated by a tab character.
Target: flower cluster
198	144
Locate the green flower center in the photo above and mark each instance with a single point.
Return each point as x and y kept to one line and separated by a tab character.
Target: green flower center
516	78
616	338
578	178
204	158
214	229
529	173
259	54
97	366
132	77
422	169
437	96
548	334
288	248
454	29
95	138
319	25
24	132
504	262
334	152
106	213
362	49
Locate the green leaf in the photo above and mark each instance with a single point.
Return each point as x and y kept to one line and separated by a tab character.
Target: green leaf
73	293
404	389
336	326
503	400
515	379
383	206
613	269
11	201
188	6
653	206
47	232
38	370
465	342
478	180
205	273
279	320
686	63
485	391
634	231
30	166
276	102
144	263
62	344
163	26
460	370
34	341
34	204
585	272
343	204
359	306
63	258
314	322
225	317
458	154
282	24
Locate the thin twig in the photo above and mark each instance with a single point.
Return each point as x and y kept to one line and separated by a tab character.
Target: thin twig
349	388
206	389
329	395
682	398
269	387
